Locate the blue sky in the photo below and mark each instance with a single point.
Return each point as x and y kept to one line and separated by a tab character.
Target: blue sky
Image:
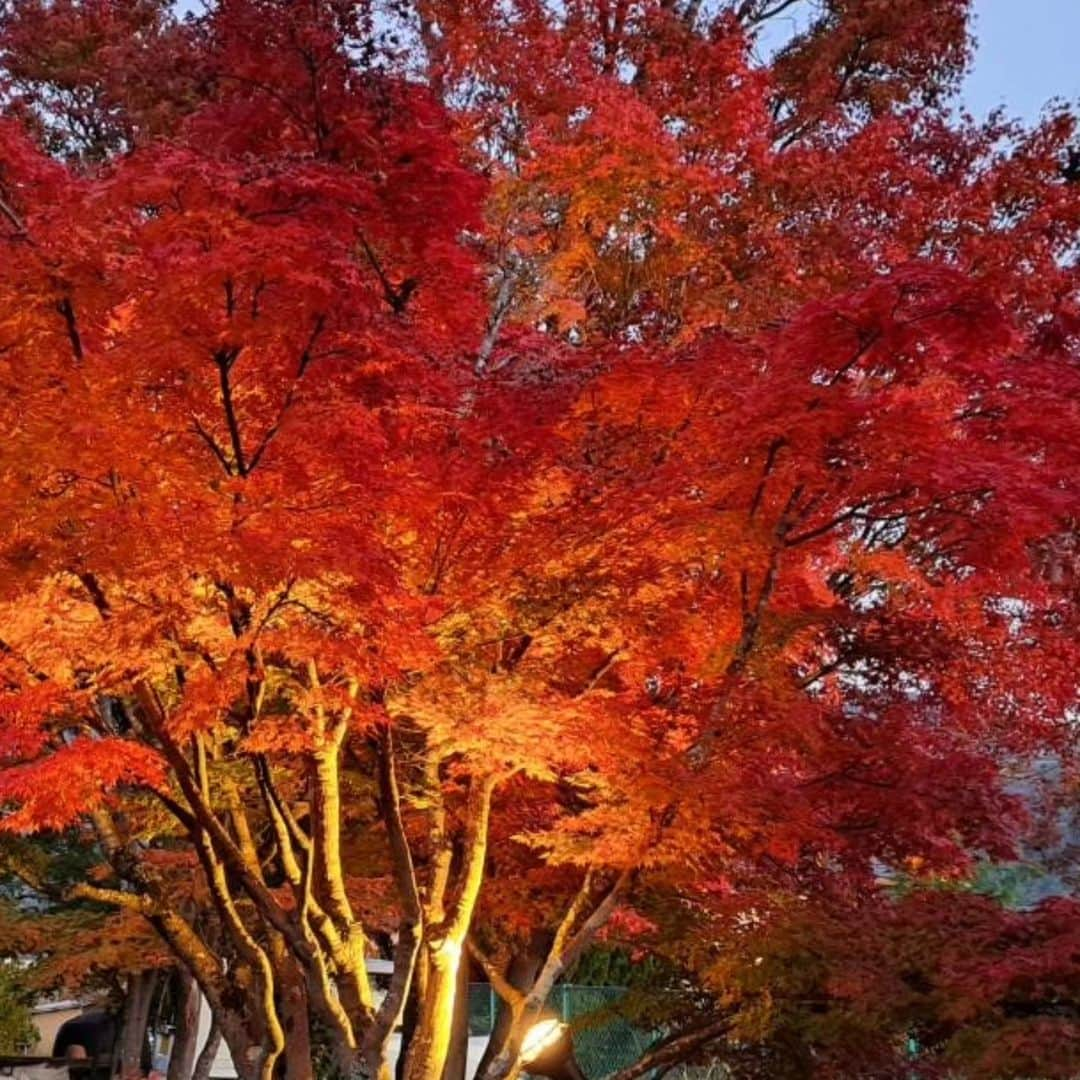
1028	52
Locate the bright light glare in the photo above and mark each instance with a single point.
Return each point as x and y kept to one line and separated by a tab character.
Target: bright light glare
542	1036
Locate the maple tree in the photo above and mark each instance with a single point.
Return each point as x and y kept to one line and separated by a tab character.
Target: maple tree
472	470
943	982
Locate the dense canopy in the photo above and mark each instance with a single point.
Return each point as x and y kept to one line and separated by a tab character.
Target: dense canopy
480	479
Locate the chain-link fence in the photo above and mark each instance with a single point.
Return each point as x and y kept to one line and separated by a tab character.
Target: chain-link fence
604	1039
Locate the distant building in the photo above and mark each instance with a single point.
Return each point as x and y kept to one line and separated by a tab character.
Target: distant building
48	1017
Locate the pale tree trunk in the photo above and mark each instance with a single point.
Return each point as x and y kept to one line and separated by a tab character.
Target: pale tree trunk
457	1058
186	1021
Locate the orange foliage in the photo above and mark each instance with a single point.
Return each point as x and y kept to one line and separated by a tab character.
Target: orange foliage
671	454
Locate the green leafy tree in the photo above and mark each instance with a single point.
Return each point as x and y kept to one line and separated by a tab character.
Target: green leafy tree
17	1031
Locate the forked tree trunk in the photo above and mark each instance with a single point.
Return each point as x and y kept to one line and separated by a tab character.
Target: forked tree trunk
587	913
247	1050
442	953
522	972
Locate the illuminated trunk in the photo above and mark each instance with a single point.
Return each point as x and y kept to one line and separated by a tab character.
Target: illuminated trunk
524	968
426	1057
587	913
457	1060
428	1052
506	1064
329	872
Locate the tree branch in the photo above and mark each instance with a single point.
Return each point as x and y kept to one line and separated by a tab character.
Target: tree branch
478	815
224	360
9	212
568	946
673	1050
502	986
67	312
211	442
207	820
301	368
410	928
396	296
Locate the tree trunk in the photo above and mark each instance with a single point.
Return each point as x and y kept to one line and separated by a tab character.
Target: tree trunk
205	1061
247	1057
429	1049
457	1059
521	974
410	1019
294	1011
182	1058
505	1063
441	954
247	1046
134	1018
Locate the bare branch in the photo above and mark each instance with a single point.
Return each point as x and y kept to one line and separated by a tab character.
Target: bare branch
499	310
569	944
